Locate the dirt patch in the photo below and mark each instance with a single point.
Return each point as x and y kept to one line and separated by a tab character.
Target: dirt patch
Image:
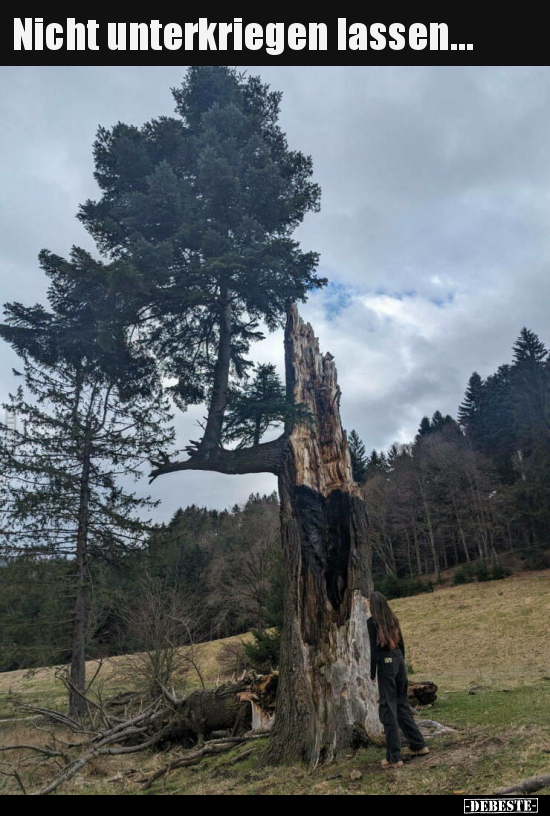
467	752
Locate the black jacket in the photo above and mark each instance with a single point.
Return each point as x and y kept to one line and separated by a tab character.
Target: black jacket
375	649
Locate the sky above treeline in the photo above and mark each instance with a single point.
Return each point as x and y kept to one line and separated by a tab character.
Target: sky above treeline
433	230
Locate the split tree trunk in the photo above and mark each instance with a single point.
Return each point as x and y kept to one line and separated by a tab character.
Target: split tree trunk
326	702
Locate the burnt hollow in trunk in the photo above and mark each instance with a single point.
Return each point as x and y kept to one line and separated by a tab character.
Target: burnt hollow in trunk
326	547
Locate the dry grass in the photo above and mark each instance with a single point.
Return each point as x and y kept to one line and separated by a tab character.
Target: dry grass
483	633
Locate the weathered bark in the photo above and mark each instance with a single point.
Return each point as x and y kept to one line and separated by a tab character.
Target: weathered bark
231	709
262	695
204	712
326	702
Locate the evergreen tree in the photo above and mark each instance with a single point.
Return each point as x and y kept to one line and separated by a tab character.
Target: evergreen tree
437	422
497	436
424	428
197	213
469	412
255	407
395	452
358	457
175	551
443	424
376	464
196	218
35	627
531	408
79	433
531	384
530	351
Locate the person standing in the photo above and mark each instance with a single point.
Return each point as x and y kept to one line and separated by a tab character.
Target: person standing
387	652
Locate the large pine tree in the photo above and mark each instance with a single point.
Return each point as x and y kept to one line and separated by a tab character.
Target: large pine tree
200	211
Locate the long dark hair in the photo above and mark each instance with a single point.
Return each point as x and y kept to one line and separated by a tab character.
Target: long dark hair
387	625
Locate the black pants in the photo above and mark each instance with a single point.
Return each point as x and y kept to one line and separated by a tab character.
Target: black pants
394	709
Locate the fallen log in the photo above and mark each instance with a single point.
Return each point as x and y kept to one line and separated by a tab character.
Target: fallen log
206	711
241	712
164	720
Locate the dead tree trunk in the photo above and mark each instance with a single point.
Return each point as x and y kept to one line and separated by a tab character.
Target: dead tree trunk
326	702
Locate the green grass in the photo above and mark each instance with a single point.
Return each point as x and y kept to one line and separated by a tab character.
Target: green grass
496	709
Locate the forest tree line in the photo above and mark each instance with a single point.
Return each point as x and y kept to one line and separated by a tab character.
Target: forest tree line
221	567
469	488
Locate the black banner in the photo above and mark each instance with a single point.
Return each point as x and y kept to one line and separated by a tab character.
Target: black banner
469	39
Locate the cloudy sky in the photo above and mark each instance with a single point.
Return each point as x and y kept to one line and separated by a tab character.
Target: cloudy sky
434	227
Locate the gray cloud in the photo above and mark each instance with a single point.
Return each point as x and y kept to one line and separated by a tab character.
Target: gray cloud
433	229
